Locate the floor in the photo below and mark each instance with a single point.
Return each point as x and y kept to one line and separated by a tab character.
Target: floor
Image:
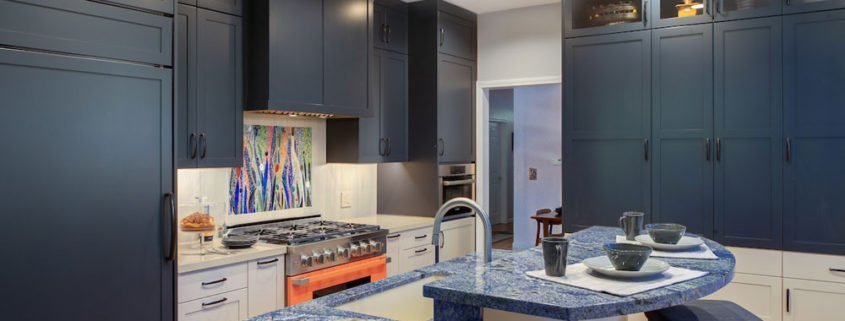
503	236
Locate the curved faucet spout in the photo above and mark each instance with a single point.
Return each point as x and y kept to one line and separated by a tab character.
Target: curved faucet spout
482	214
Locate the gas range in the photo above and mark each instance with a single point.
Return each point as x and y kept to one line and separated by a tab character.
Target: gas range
315	244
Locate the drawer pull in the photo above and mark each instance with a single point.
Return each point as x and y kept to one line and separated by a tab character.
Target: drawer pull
268	262
837	270
213	303
214	282
394	236
420	237
421	250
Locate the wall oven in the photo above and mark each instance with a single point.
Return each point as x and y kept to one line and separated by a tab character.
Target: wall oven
457	180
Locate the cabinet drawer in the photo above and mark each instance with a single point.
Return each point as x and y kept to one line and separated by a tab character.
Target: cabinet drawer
87	28
229	306
415	238
416	258
817	267
205	283
759	262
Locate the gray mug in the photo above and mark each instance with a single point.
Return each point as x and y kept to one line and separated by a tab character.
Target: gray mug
631	224
554	255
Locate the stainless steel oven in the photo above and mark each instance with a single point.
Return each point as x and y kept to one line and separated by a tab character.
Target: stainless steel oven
457	180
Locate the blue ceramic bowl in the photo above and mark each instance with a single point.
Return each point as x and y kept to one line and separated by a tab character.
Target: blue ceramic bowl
627	257
666	233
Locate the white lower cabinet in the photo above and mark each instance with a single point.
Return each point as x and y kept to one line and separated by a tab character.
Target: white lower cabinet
229	306
814	300
761	295
393	253
458	238
415	258
411	250
266	285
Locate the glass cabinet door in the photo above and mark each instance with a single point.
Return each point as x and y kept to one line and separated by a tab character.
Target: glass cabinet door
682	12
741	9
591	17
793	6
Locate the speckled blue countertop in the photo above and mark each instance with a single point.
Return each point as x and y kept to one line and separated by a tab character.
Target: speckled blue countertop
503	285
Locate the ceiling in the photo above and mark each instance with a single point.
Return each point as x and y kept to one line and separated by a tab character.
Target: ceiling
485	6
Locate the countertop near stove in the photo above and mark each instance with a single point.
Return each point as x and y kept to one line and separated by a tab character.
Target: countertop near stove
190	263
393	223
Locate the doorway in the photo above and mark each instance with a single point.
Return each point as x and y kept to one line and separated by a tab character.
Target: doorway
524	160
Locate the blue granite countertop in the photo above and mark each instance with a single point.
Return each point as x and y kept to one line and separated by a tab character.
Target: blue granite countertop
503	285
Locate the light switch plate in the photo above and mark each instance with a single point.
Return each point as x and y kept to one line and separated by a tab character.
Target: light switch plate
345	199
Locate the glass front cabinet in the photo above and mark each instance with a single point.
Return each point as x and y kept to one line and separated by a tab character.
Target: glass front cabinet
685	12
795	6
590	17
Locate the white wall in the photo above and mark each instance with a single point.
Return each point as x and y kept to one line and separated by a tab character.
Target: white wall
537	144
520	43
328	181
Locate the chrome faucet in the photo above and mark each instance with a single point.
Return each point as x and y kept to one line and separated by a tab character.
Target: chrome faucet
485	220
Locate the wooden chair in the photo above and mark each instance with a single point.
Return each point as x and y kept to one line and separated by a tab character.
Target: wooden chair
546	220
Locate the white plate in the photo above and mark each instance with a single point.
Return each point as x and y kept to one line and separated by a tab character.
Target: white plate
686	243
602	265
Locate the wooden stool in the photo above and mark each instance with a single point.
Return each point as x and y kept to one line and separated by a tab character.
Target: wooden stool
548	220
703	310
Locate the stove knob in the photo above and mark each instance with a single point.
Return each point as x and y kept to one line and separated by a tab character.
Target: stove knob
328	256
354	250
342	252
305	260
365	247
375	247
318	258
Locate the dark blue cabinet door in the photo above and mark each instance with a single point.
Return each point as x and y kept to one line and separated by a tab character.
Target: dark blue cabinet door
219	89
607	125
455	105
682	126
814	103
749	129
346	56
394	106
92	157
584	18
187	138
797	6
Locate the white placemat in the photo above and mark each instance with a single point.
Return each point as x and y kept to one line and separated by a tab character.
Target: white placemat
701	252
577	275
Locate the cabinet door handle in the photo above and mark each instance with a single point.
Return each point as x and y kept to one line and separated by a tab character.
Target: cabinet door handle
718	149
837	270
169	234
387	149
204	145
213	303
388	34
441	146
193	142
381	147
268	262
645	13
788	2
707	149
442	35
421	251
645	149
421	237
394	236
214	282
787	301
788	150
707	4
719	6
384	33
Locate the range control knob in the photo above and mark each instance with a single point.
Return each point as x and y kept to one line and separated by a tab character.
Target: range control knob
305	260
365	247
354	250
342	252
328	255
375	246
318	257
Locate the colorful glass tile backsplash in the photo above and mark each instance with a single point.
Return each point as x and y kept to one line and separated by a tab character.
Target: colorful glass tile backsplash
276	174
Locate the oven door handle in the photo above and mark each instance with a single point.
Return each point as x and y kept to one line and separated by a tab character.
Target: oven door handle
460	182
302	281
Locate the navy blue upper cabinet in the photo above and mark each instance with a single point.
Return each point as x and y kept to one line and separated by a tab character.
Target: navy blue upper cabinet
88	28
682	127
390	26
309	56
749	133
187	139
582	18
795	6
455	105
814	103
165	6
457	36
235	7
607	125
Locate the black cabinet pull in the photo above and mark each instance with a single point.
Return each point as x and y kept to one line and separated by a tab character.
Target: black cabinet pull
718	149
420	237
204	145
719	5
214	282
208	304
193	142
168	242
837	270
382	147
707	149
387	149
442	35
441	146
268	262
388	34
420	251
787	301
645	13
788	149
384	33
394	236
645	149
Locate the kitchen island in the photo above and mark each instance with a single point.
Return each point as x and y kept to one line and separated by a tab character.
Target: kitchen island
467	286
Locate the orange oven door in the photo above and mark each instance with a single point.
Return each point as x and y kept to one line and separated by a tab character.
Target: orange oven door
312	285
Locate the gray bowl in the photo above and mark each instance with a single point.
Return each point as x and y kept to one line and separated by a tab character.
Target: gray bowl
627	257
666	233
